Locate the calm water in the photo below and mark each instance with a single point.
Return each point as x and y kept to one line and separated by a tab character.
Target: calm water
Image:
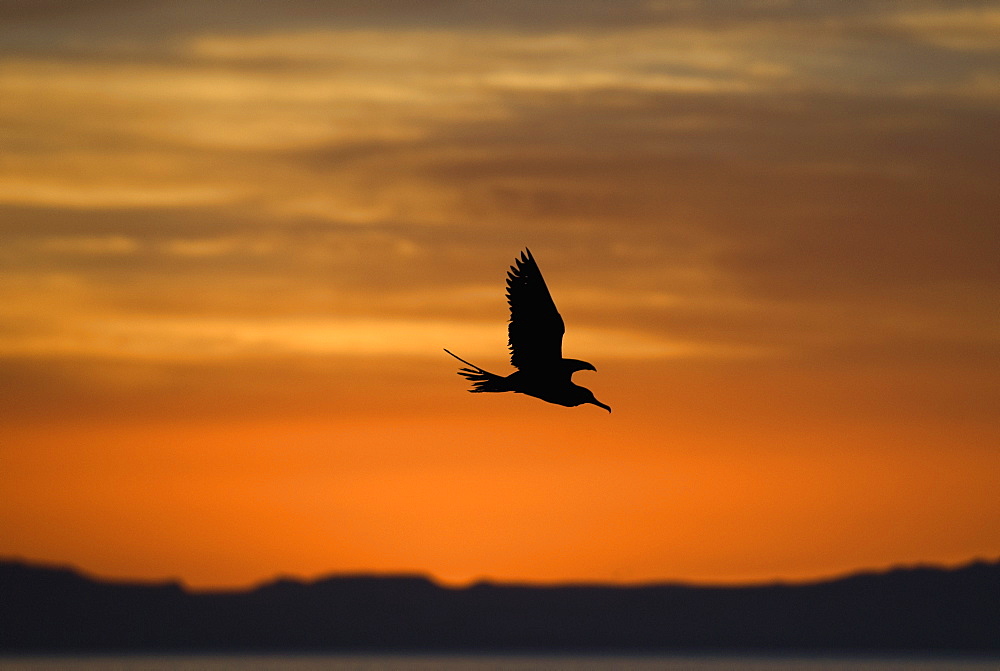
486	663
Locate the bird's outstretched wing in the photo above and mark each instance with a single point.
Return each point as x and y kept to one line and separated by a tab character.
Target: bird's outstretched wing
536	329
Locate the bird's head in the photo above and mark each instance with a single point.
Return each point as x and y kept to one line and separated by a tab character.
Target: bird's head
573	365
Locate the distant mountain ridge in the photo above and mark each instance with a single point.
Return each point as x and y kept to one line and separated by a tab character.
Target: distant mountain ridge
910	609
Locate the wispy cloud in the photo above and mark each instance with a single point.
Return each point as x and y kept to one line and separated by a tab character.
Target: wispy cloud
762	160
960	28
206	339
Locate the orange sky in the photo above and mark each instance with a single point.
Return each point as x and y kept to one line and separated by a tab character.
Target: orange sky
234	240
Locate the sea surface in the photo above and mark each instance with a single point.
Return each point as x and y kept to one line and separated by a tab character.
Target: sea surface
486	663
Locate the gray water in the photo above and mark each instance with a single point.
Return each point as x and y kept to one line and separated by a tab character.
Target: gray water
486	663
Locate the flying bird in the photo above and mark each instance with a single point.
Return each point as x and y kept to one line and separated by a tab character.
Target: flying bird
535	334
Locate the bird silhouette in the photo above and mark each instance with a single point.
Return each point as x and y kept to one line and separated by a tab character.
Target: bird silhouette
535	334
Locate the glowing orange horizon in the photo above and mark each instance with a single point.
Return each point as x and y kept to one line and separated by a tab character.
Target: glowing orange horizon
542	495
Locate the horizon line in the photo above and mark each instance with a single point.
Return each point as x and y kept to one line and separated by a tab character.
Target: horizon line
487	581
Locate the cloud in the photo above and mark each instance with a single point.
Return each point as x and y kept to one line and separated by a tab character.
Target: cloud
740	175
90	245
959	28
161	338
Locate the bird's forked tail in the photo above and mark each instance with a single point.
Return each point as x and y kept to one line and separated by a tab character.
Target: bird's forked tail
482	380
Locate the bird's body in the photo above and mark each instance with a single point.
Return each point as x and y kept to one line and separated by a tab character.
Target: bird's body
535	335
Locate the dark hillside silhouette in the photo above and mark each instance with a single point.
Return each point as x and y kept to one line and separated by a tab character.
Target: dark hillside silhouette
920	609
534	335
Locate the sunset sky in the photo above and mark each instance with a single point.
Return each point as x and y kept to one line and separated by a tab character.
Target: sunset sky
235	237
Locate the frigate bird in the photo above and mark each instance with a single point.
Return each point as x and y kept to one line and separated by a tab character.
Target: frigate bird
535	334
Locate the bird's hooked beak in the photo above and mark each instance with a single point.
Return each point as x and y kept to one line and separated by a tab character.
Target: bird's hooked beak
601	405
